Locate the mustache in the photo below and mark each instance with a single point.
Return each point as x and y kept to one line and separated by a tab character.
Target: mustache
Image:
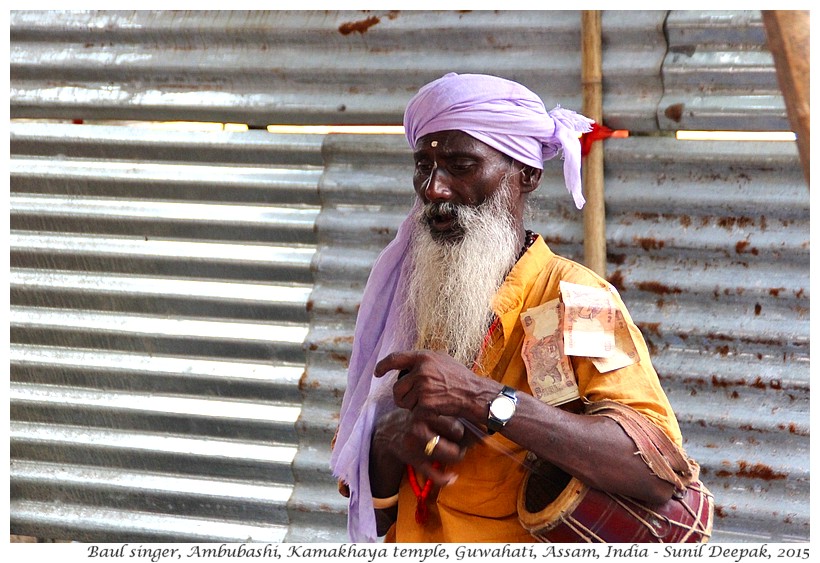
462	214
444	208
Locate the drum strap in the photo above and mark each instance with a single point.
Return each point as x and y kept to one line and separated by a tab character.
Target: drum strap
663	457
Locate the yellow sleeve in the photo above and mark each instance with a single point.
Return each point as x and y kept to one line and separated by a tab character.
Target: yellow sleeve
636	385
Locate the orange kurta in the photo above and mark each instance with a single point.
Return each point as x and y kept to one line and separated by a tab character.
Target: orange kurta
481	505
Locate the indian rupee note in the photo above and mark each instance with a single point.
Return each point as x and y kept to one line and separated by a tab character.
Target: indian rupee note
625	353
549	371
589	321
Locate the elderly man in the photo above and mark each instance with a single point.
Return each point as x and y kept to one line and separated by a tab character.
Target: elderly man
440	412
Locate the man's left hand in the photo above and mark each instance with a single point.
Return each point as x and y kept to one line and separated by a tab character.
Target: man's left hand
435	382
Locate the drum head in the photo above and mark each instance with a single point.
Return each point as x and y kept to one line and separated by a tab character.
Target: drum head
547	494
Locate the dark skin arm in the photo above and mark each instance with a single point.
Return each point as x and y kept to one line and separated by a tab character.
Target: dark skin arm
594	449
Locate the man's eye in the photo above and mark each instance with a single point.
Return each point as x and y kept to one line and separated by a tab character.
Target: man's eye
424	167
461	165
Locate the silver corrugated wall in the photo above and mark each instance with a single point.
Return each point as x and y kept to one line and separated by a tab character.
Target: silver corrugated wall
159	286
183	302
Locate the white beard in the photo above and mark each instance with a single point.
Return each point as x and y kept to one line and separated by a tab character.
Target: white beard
451	284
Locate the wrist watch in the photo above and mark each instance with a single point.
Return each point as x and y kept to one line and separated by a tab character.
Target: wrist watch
502	409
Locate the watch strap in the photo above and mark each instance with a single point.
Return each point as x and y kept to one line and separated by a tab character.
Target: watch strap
495	424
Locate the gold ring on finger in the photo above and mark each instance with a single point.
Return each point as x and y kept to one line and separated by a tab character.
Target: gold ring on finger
431	445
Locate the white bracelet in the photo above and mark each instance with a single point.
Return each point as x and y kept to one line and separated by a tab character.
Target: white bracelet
380	503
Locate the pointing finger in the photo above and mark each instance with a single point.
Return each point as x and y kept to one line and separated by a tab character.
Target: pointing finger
396	361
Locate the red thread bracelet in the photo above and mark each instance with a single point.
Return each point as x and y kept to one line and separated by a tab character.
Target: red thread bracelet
422	512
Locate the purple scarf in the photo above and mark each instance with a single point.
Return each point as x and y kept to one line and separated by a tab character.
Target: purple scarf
366	397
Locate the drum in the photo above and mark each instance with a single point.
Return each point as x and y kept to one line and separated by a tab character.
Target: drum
556	507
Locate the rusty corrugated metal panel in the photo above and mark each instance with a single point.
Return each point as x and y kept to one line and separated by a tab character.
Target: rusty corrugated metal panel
263	67
709	247
159	283
719	74
232	211
708	244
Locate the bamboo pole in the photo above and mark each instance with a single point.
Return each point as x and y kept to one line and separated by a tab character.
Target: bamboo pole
593	169
787	32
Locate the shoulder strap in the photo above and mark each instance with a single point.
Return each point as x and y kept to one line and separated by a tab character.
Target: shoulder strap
666	460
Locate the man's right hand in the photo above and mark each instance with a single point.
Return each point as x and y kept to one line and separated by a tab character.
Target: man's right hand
405	435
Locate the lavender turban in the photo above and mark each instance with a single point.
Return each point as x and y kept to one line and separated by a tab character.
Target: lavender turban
503	114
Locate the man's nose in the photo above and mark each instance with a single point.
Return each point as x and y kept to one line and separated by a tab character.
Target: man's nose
437	188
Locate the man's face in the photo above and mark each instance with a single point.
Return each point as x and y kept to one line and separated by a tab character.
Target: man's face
455	169
467	237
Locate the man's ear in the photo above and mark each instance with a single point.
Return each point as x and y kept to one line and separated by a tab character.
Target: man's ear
530	179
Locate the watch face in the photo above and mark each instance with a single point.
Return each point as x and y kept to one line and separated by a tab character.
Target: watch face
502	408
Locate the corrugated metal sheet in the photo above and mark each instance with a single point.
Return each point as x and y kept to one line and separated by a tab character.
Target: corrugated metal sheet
710	248
708	245
264	67
159	285
322	67
166	286
719	74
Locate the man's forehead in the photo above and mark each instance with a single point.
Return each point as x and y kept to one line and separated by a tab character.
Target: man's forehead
452	141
